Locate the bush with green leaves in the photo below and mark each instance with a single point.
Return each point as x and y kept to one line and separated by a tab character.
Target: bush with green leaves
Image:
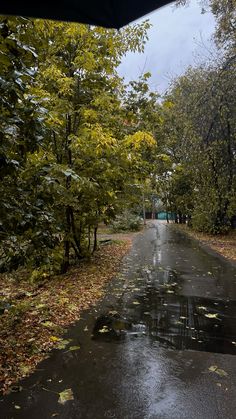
127	222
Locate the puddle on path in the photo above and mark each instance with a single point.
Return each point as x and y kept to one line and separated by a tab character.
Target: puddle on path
152	305
133	364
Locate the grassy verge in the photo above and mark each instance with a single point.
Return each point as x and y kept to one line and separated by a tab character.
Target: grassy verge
34	316
224	244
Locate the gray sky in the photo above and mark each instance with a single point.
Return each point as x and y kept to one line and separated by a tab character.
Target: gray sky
179	37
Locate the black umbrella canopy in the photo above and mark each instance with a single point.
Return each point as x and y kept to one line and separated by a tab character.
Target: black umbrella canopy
107	13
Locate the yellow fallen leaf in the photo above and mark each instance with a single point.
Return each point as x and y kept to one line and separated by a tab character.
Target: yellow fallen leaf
218	371
104	330
63	343
54	339
74	348
211	315
202	308
65	396
24	369
221	373
213	368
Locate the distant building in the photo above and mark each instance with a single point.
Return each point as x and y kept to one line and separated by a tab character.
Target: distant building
161	215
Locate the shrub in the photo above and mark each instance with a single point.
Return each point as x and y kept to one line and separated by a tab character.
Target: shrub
126	222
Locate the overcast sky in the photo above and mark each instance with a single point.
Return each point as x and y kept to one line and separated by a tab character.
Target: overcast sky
176	40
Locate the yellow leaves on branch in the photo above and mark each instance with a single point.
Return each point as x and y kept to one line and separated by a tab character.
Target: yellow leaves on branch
90	115
168	104
140	140
102	139
52	73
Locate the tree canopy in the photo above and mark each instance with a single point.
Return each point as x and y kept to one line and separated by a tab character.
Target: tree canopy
78	146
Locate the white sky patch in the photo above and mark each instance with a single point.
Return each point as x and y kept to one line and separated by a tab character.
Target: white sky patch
178	38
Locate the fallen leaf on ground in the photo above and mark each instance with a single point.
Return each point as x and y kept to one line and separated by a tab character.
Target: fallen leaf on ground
103	330
63	344
74	348
65	396
39	306
218	371
211	315
24	369
54	339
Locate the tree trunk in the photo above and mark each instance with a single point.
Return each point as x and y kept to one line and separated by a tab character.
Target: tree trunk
66	259
95	243
67	240
89	237
76	239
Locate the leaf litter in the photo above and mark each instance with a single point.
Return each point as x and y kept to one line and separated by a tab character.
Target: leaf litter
40	312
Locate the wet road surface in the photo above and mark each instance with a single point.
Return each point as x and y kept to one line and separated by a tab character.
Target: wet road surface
160	345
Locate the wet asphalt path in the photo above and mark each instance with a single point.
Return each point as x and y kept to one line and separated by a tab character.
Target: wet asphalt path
146	349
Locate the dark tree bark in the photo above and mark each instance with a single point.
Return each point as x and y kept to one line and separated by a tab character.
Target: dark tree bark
89	237
95	243
66	259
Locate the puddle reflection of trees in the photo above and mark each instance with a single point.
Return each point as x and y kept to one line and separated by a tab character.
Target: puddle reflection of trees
189	322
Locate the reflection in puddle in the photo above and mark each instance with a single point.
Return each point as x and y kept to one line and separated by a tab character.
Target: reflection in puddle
189	322
110	326
155	309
